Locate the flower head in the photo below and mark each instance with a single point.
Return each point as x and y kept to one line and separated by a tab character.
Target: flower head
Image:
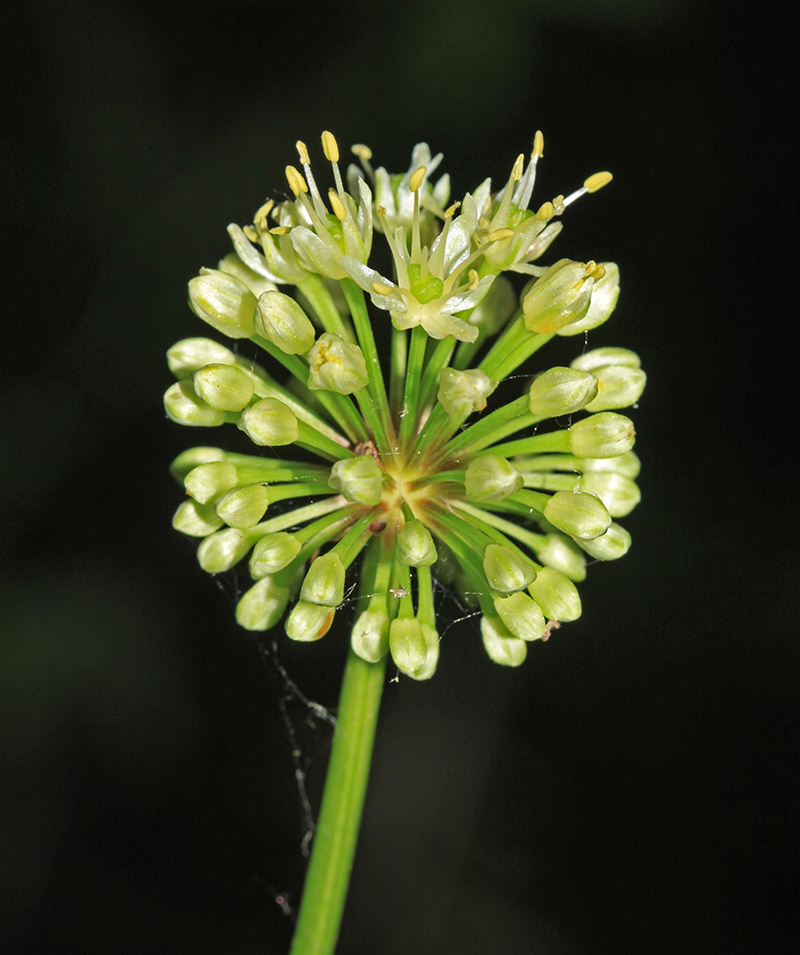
426	474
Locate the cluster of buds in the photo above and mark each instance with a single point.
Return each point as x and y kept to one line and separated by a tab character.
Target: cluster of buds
401	464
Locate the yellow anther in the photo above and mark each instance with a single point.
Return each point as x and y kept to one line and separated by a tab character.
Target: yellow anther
497	235
546	211
251	233
296	182
519	165
538	144
280	230
474	279
450	211
597	181
589	267
300	146
380	289
417	178
337	205
330	147
381	210
597	273
362	151
264	211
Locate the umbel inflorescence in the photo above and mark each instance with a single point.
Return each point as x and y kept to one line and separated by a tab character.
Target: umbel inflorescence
404	464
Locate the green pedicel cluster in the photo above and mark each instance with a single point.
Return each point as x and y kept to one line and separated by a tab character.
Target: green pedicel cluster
416	479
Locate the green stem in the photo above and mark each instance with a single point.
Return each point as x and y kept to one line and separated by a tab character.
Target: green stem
334	845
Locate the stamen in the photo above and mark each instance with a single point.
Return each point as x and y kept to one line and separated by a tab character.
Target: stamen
414	183
330	147
364	154
296	182
380	289
416	179
597	181
300	146
546	211
519	165
337	205
280	230
499	234
450	211
538	145
251	233
474	279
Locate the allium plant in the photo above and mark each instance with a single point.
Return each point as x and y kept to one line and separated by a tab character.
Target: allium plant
401	464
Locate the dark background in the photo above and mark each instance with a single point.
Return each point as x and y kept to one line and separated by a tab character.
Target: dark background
629	788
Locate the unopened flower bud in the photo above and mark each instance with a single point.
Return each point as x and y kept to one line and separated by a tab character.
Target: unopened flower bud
191	458
501	645
263	605
308	622
188	355
491	477
370	637
233	265
578	514
243	506
428	668
196	520
627	464
226	387
359	479
613	544
560	391
415	547
603	435
272	553
407	644
522	616
605	293
563	554
561	296
269	423
506	569
324	582
464	392
224	302
556	595
336	365
610	355
183	406
222	550
619	493
284	323
619	386
207	481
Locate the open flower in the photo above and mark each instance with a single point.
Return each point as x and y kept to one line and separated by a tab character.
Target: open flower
426	474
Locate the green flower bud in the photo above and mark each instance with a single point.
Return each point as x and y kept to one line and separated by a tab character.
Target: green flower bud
561	296
324	582
522	616
464	392
190	458
501	645
233	265
272	553
407	644
613	544
506	569
244	506
619	386
336	365
560	391
619	493
190	354
269	423
196	520
222	550
184	407
370	637
308	622
603	435
415	547
610	355
359	479
627	464
263	605
605	293
281	321
428	668
577	514
224	302
563	554
207	481
490	477
556	595
226	387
